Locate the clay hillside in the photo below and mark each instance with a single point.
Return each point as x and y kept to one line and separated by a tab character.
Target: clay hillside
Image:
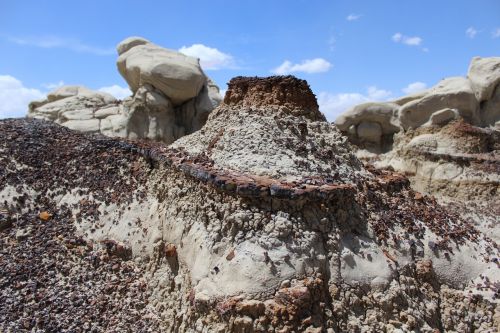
177	210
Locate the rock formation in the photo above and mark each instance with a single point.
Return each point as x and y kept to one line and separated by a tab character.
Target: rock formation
171	97
474	99
445	138
263	220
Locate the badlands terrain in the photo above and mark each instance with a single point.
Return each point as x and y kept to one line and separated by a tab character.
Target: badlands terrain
179	210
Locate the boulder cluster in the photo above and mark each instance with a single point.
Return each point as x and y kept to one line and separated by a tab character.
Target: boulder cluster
171	97
476	99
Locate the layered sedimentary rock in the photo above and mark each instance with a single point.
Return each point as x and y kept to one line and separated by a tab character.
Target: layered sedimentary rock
446	139
264	220
171	97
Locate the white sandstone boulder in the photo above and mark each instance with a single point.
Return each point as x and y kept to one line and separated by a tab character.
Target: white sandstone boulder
384	114
129	43
455	93
484	75
172	97
444	116
177	76
70	103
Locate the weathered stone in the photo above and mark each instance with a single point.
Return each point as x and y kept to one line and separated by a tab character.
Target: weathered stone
161	80
253	308
370	131
177	76
484	74
129	43
455	93
444	116
293	95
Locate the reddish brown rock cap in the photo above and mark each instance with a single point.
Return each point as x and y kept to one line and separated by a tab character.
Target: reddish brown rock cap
287	91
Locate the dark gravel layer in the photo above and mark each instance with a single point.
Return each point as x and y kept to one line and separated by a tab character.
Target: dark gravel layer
52	280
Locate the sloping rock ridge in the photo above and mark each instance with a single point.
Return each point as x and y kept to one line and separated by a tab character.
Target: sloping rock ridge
171	97
263	220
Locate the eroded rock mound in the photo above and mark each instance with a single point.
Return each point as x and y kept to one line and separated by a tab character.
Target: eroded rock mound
445	139
265	135
263	220
171	97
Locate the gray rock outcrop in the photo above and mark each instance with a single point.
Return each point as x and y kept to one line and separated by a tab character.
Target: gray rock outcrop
484	75
446	139
475	98
171	97
370	123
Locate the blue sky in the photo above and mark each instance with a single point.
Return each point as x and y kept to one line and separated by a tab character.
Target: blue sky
348	51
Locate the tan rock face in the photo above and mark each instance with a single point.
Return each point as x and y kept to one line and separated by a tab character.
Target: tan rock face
286	91
177	76
445	139
455	93
172	97
484	74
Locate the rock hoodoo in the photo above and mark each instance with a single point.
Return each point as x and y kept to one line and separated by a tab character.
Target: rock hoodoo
262	220
171	97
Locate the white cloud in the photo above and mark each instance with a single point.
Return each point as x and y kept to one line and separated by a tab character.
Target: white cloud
117	91
53	85
15	97
333	105
378	94
495	33
412	41
397	37
353	17
471	32
50	42
310	66
210	58
414	88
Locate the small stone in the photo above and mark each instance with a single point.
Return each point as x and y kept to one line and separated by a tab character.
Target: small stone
252	307
230	255
170	250
285	284
45	216
23	233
